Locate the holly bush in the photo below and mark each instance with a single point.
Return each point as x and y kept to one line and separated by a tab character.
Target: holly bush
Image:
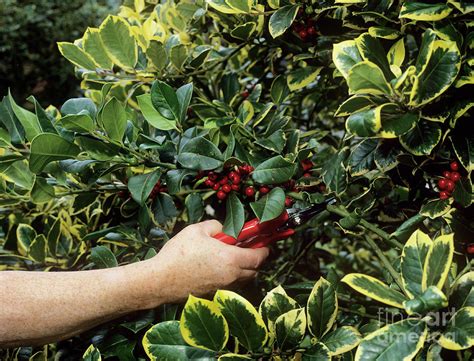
232	110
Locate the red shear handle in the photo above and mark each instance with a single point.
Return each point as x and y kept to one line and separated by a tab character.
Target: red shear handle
255	234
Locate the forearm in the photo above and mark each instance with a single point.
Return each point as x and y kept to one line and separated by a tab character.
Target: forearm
42	307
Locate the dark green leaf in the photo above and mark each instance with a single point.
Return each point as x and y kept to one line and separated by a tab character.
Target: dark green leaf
361	159
164	209
200	154
79	106
140	186
334	172
195	207
274	170
270	206
103	257
114	119
42	191
165	100
48	147
235	216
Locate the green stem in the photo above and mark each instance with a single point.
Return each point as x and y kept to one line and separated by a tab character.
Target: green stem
298	258
359	313
386	263
341	211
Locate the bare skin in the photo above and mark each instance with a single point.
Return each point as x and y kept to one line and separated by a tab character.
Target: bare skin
43	307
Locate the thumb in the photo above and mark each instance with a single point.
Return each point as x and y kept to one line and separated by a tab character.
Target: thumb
251	259
210	227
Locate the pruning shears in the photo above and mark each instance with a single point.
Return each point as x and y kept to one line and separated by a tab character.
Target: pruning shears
255	234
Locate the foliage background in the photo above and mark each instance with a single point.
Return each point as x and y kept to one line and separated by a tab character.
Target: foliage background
30	63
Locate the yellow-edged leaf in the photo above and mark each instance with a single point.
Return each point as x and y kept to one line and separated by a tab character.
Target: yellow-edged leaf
438	261
373	288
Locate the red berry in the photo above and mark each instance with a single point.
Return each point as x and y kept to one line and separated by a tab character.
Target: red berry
221	195
288	202
306	164
443	195
212	176
232	174
235	187
442	183
216	186
470	248
454	165
123	194
450	185
250	168
264	189
224	180
455	176
446	174
311	30
209	183
303	34
307	175
322	188
245	94
250	191
236	179
226	188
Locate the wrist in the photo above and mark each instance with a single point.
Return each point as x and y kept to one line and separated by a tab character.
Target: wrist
137	286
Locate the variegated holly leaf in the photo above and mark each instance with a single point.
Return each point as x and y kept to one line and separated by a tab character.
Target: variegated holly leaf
436	208
290	328
462	293
398	341
422	11
341	340
164	342
345	55
438	261
373	288
245	323
438	74
459	334
367	78
412	262
321	308
282	19
203	325
422	139
275	304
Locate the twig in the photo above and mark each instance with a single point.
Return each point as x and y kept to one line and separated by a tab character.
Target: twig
386	262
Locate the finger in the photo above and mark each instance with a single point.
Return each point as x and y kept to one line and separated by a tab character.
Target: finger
251	259
210	227
246	275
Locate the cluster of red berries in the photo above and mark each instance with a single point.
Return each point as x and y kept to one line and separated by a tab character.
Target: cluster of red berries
228	181
305	28
307	165
448	182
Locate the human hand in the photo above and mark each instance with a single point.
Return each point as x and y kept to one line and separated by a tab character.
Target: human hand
195	262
